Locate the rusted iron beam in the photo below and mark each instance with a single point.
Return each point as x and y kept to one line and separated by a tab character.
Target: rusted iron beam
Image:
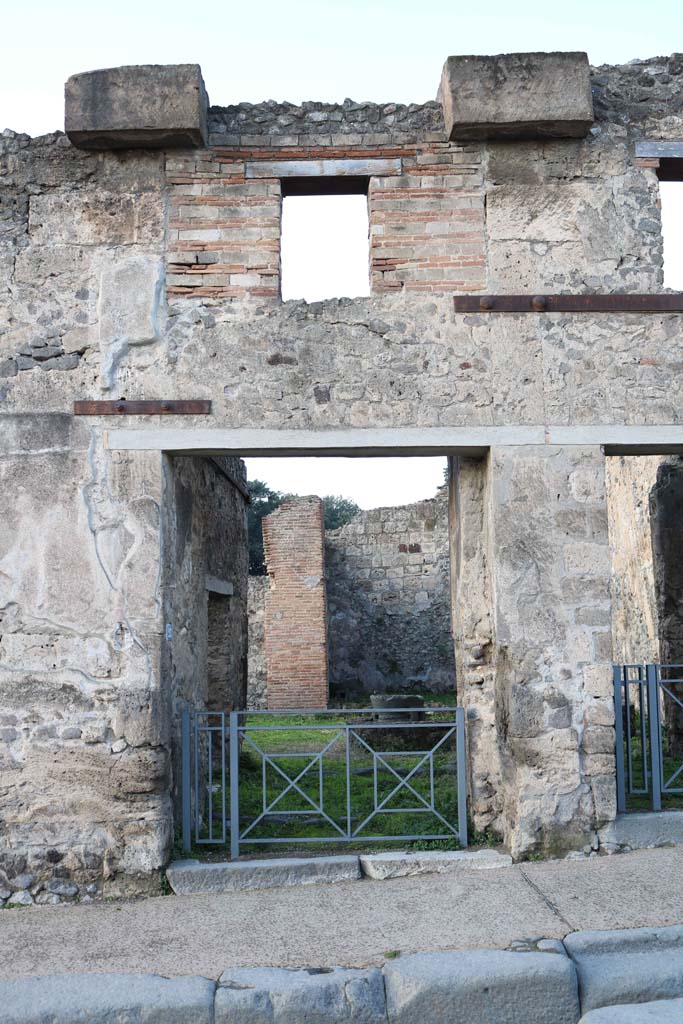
124	407
616	303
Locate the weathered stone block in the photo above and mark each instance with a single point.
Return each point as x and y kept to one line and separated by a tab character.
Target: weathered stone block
661	1011
482	986
398	865
191	876
98	998
255	995
637	964
517	95
646	830
149	105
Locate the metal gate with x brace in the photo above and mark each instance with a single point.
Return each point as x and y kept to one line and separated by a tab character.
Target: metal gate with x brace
647	699
423	779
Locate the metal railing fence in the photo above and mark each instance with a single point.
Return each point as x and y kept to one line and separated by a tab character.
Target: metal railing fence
648	707
338	776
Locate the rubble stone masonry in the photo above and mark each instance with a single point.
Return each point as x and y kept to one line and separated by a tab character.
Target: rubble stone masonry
388	594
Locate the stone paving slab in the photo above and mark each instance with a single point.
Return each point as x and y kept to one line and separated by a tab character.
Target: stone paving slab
628	890
350	923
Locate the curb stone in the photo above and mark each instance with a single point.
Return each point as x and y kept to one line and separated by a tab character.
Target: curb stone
482	986
104	998
537	982
628	966
663	1011
271	994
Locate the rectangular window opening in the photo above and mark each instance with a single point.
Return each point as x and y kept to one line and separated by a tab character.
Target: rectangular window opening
671	193
324	248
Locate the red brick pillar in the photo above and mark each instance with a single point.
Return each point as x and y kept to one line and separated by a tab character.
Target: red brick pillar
296	607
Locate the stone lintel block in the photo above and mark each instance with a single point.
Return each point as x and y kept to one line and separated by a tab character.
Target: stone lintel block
517	96
191	876
145	106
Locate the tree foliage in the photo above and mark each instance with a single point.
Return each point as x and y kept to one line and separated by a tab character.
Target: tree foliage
337	511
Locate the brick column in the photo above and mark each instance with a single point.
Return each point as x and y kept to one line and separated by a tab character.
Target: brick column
543	599
296	607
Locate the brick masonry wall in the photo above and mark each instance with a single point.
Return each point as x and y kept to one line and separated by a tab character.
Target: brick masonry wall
388	600
296	614
426	223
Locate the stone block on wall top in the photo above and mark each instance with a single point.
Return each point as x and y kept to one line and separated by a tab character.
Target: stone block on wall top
517	96
144	106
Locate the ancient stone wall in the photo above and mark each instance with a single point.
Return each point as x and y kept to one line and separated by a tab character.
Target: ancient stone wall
537	647
87	311
635	627
205	578
389	602
473	634
424	203
85	734
295	625
256	654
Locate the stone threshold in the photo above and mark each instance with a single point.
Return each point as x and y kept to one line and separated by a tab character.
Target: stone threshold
610	977
187	877
642	830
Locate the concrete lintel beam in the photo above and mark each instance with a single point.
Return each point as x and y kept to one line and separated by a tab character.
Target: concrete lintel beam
471	441
361	442
149	106
517	96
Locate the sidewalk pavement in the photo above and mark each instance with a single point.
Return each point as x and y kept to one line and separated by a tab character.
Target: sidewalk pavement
353	924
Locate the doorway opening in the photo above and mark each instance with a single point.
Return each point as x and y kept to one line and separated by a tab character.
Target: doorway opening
645	503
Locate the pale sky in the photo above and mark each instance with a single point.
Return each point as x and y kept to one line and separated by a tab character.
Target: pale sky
319	50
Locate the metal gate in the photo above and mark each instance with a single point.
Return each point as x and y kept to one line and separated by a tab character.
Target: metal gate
269	778
648	706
